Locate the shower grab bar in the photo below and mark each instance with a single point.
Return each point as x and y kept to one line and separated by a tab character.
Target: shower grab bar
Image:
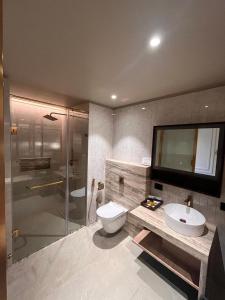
34	187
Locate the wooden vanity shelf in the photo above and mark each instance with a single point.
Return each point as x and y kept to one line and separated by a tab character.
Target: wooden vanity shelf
175	259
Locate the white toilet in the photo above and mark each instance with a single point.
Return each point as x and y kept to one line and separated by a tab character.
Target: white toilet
112	216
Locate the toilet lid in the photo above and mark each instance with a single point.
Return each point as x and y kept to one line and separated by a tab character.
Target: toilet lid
110	210
78	193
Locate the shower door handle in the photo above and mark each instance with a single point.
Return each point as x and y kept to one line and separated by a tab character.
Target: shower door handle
35	187
16	233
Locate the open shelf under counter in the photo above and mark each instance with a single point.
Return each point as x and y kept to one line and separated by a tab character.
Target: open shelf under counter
163	244
179	262
198	247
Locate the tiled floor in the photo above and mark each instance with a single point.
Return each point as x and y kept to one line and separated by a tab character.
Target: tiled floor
89	266
40	230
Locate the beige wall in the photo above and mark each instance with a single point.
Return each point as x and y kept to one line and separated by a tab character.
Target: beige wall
133	128
99	149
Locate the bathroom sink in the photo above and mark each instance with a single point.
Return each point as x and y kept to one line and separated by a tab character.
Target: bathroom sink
185	220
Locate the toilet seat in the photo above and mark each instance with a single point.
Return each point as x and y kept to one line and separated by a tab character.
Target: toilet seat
111	210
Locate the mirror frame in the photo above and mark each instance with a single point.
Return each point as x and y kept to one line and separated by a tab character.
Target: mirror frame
206	184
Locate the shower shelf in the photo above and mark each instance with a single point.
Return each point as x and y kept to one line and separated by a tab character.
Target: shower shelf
34	163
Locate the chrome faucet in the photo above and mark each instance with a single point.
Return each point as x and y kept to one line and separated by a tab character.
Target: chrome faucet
189	201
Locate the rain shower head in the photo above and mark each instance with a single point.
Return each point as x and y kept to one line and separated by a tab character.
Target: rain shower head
77	115
50	117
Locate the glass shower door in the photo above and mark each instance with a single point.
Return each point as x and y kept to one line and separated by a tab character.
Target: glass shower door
78	154
39	161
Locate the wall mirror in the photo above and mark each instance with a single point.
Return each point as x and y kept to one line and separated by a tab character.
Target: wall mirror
190	156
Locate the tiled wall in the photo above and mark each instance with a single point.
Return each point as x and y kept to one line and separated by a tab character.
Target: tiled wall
99	149
133	128
126	183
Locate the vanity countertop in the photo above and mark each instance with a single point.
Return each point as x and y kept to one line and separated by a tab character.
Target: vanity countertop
199	247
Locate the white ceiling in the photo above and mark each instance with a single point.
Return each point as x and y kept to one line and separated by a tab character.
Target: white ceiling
90	49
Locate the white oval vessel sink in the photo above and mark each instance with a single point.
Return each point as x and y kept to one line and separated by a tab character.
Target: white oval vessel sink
185	220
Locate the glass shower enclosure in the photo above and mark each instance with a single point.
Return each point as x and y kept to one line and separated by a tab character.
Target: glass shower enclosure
49	149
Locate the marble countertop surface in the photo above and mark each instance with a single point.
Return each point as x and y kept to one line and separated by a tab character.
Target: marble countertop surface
199	247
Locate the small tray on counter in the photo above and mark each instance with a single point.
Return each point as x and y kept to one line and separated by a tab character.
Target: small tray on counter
146	203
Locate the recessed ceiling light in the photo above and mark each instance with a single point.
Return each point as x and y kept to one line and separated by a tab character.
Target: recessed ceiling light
113	114
143	108
114	97
206	106
155	41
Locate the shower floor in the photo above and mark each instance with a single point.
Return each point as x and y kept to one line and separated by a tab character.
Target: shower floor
40	229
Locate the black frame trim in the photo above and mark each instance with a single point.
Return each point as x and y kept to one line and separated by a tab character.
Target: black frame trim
206	184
